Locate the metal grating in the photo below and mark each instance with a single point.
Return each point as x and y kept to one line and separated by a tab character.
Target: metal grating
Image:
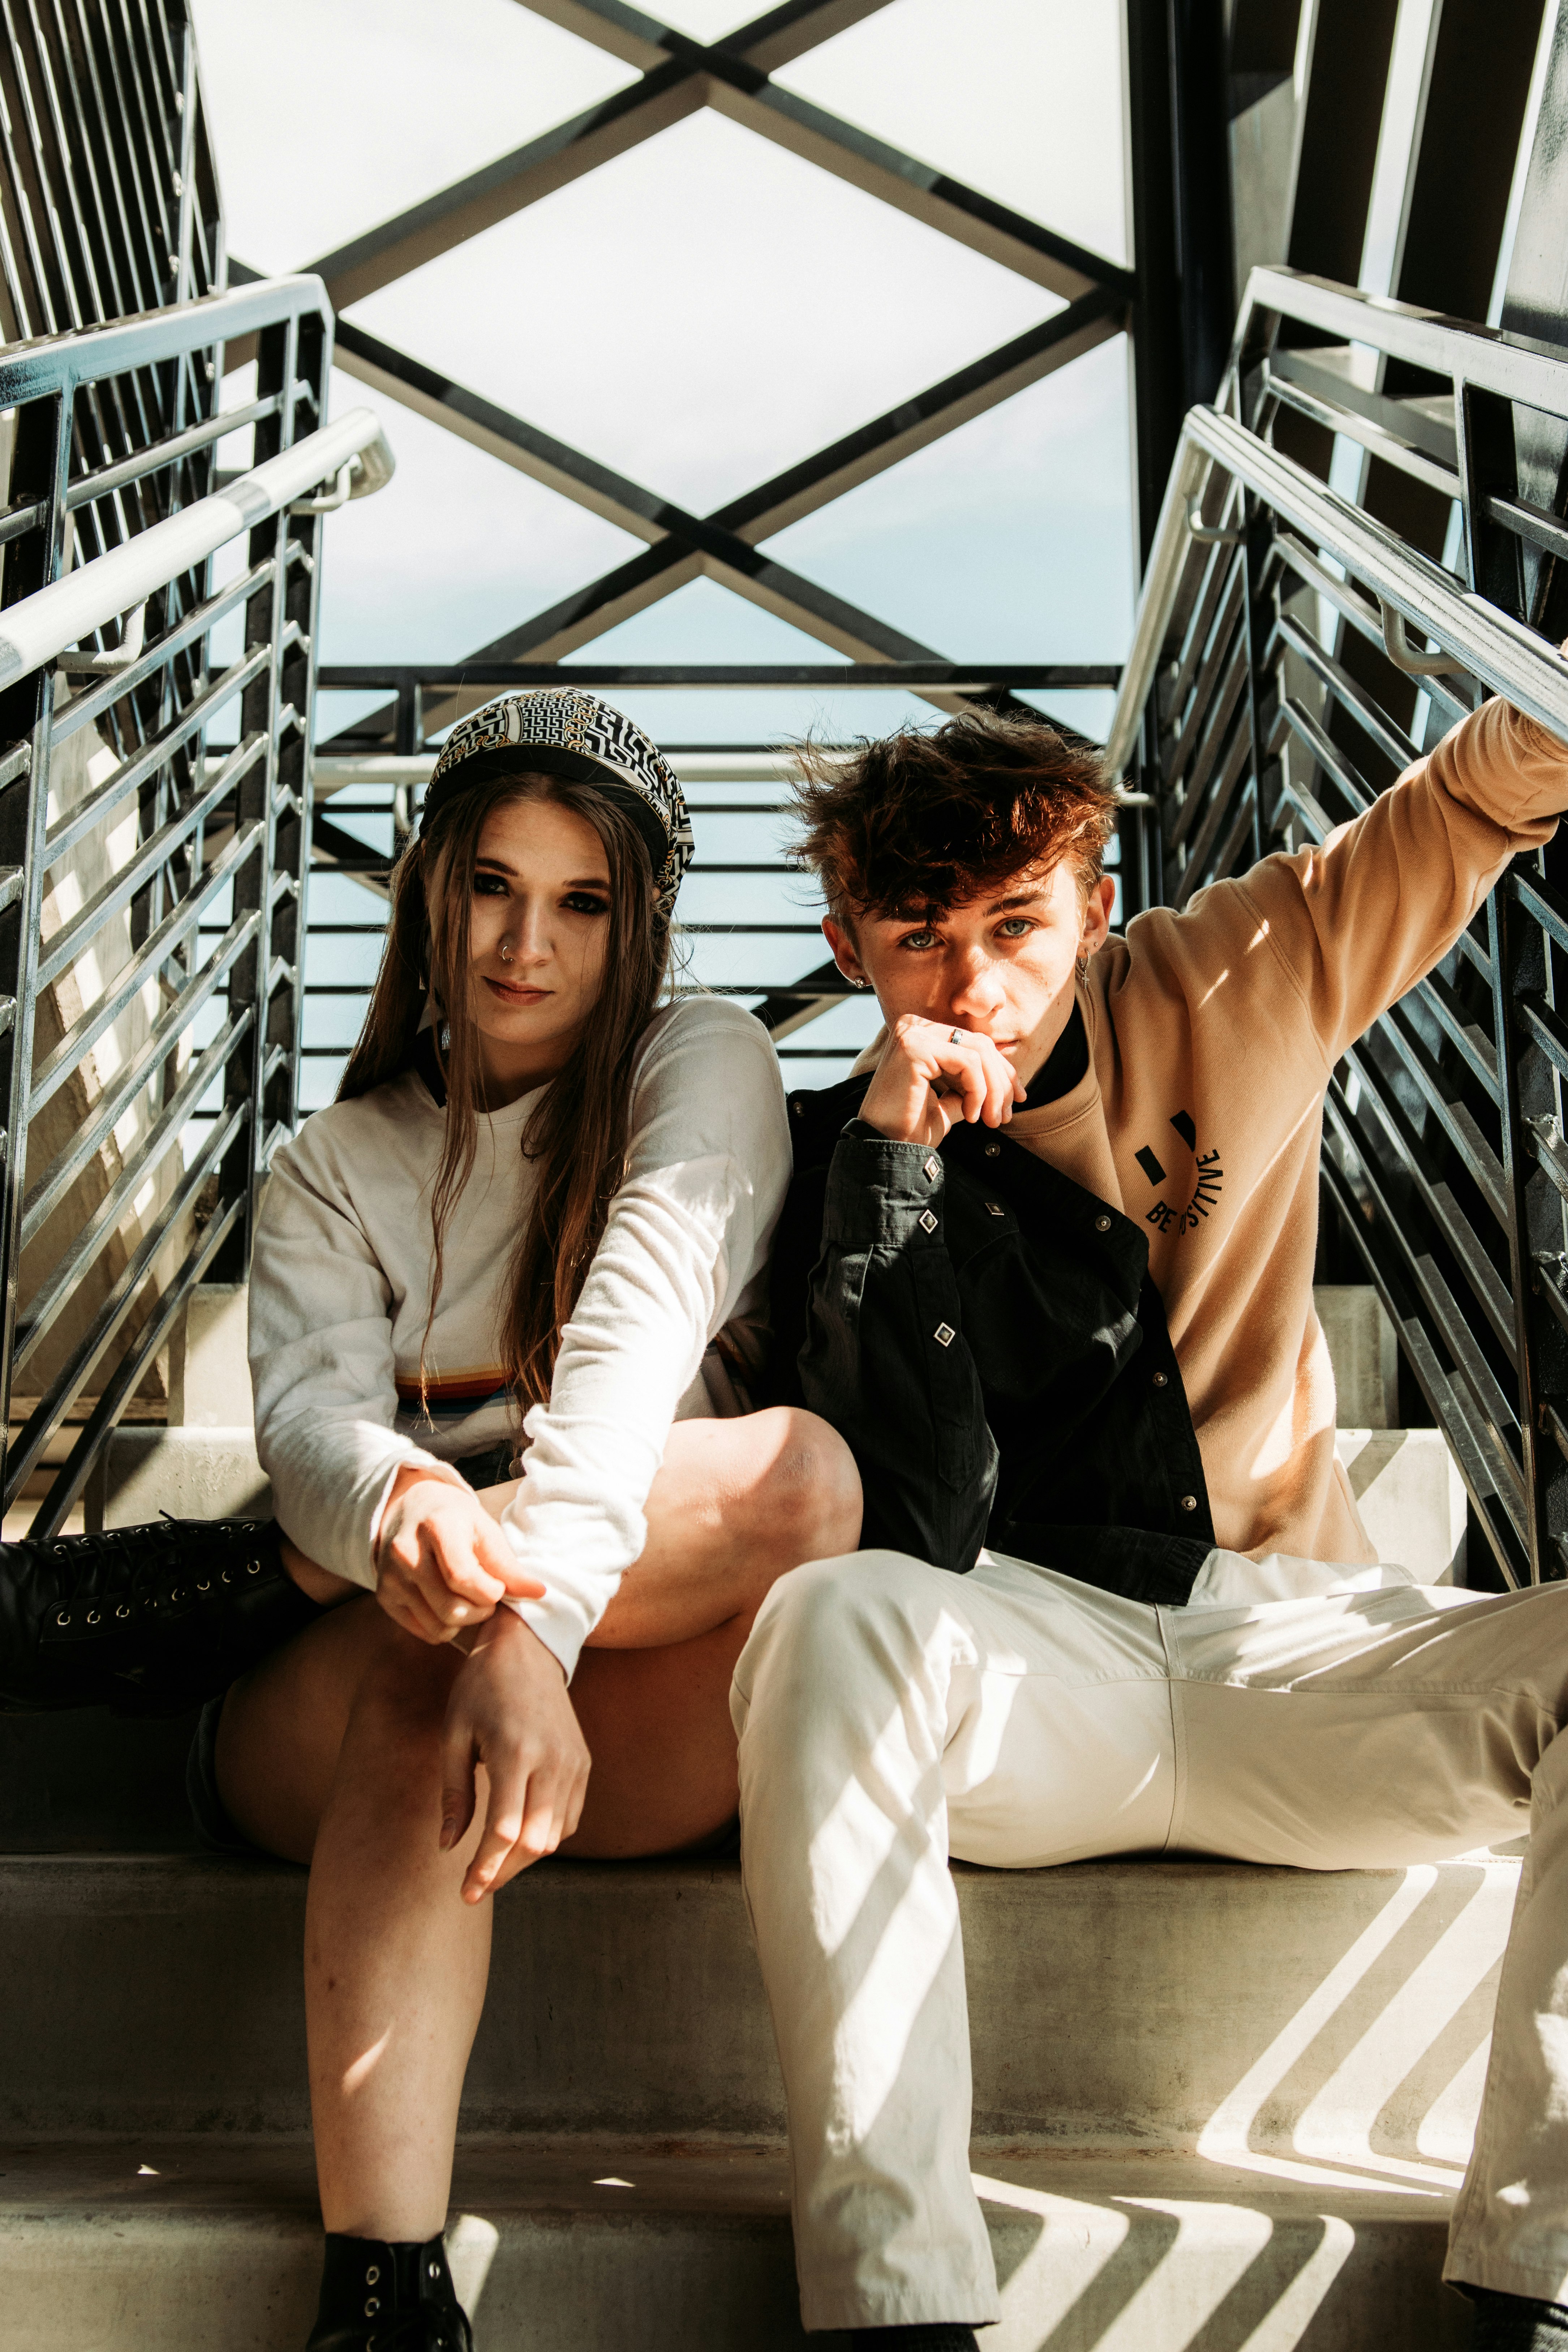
1292	654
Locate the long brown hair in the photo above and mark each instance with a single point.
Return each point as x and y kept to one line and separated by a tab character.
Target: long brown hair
577	1132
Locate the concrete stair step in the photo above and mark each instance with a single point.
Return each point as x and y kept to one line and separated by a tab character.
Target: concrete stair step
1114	2005
209	2245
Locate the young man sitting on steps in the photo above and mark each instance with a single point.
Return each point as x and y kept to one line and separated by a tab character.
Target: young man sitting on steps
1047	1267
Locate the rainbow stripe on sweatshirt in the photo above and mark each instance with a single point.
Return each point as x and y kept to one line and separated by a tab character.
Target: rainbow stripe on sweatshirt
454	1396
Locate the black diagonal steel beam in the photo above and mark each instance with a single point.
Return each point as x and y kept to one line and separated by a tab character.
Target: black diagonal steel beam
683	76
800	490
721	545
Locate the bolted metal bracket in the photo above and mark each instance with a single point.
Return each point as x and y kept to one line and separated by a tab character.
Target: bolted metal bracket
1210	534
329	501
133	630
1396	644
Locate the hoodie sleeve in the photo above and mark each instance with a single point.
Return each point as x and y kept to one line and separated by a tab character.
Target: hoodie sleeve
1359	919
688	1233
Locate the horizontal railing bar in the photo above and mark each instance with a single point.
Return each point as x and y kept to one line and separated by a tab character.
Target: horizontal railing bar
1546	1027
1487	357
53	1185
1481	1162
154	954
1549	1150
127	1378
1362	616
1168	554
1349	693
166	451
1486	1284
1233	769
65	1386
1541	902
1480	1477
39	628
1532	522
147	1156
1304	724
1425	420
46	364
91	814
1373	437
122	886
25	515
1221	650
1501	652
973	678
83	707
1222	712
1171	696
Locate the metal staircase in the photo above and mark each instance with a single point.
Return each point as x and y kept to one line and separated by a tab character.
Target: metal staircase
1215	2105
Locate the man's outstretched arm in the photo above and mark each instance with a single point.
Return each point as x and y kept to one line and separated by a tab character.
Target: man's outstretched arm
1359	919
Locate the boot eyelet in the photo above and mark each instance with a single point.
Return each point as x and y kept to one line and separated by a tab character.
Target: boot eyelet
123	1610
92	1617
62	1617
435	2270
253	1567
178	1593
228	1575
371	2274
203	1585
372	2306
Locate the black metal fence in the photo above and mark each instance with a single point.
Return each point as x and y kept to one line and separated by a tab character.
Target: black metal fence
1363	538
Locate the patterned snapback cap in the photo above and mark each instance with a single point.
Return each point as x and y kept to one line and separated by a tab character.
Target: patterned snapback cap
561	730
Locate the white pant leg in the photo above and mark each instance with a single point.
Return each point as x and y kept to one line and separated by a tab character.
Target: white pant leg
1396	1728
878	1701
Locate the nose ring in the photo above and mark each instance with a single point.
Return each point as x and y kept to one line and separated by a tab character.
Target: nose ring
505	953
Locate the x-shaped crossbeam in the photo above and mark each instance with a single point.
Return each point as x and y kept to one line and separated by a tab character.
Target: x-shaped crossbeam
679	76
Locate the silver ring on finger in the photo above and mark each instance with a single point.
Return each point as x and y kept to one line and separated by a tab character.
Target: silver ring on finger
958	1037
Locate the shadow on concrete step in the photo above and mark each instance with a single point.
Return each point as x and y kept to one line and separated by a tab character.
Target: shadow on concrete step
93	1782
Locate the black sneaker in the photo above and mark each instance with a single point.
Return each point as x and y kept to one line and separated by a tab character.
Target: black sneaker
147	1620
388	2298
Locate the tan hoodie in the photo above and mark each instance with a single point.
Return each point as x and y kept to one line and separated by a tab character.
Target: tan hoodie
1212	1036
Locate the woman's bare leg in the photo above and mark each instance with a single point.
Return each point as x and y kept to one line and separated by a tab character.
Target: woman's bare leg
330	1752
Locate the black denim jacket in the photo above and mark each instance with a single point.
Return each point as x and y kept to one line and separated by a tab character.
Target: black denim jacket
985	1335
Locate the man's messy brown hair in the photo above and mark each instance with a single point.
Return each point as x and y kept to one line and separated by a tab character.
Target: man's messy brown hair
918	820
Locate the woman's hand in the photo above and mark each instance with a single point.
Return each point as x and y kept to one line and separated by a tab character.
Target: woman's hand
511	1711
930	1077
442	1564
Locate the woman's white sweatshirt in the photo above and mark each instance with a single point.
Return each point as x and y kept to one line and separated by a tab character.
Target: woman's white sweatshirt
671	1321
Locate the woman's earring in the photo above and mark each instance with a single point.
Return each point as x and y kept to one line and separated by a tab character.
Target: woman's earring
1081	966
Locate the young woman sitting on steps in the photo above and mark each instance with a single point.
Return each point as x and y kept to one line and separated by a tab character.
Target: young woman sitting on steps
553	1200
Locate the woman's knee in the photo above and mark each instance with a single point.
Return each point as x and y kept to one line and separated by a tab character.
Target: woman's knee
809	1505
400	1698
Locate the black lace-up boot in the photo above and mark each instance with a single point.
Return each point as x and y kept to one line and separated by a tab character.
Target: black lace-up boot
388	2298
148	1620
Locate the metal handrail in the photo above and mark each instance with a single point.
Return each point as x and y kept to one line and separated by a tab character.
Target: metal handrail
185	836
1508	659
1292	654
42	625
